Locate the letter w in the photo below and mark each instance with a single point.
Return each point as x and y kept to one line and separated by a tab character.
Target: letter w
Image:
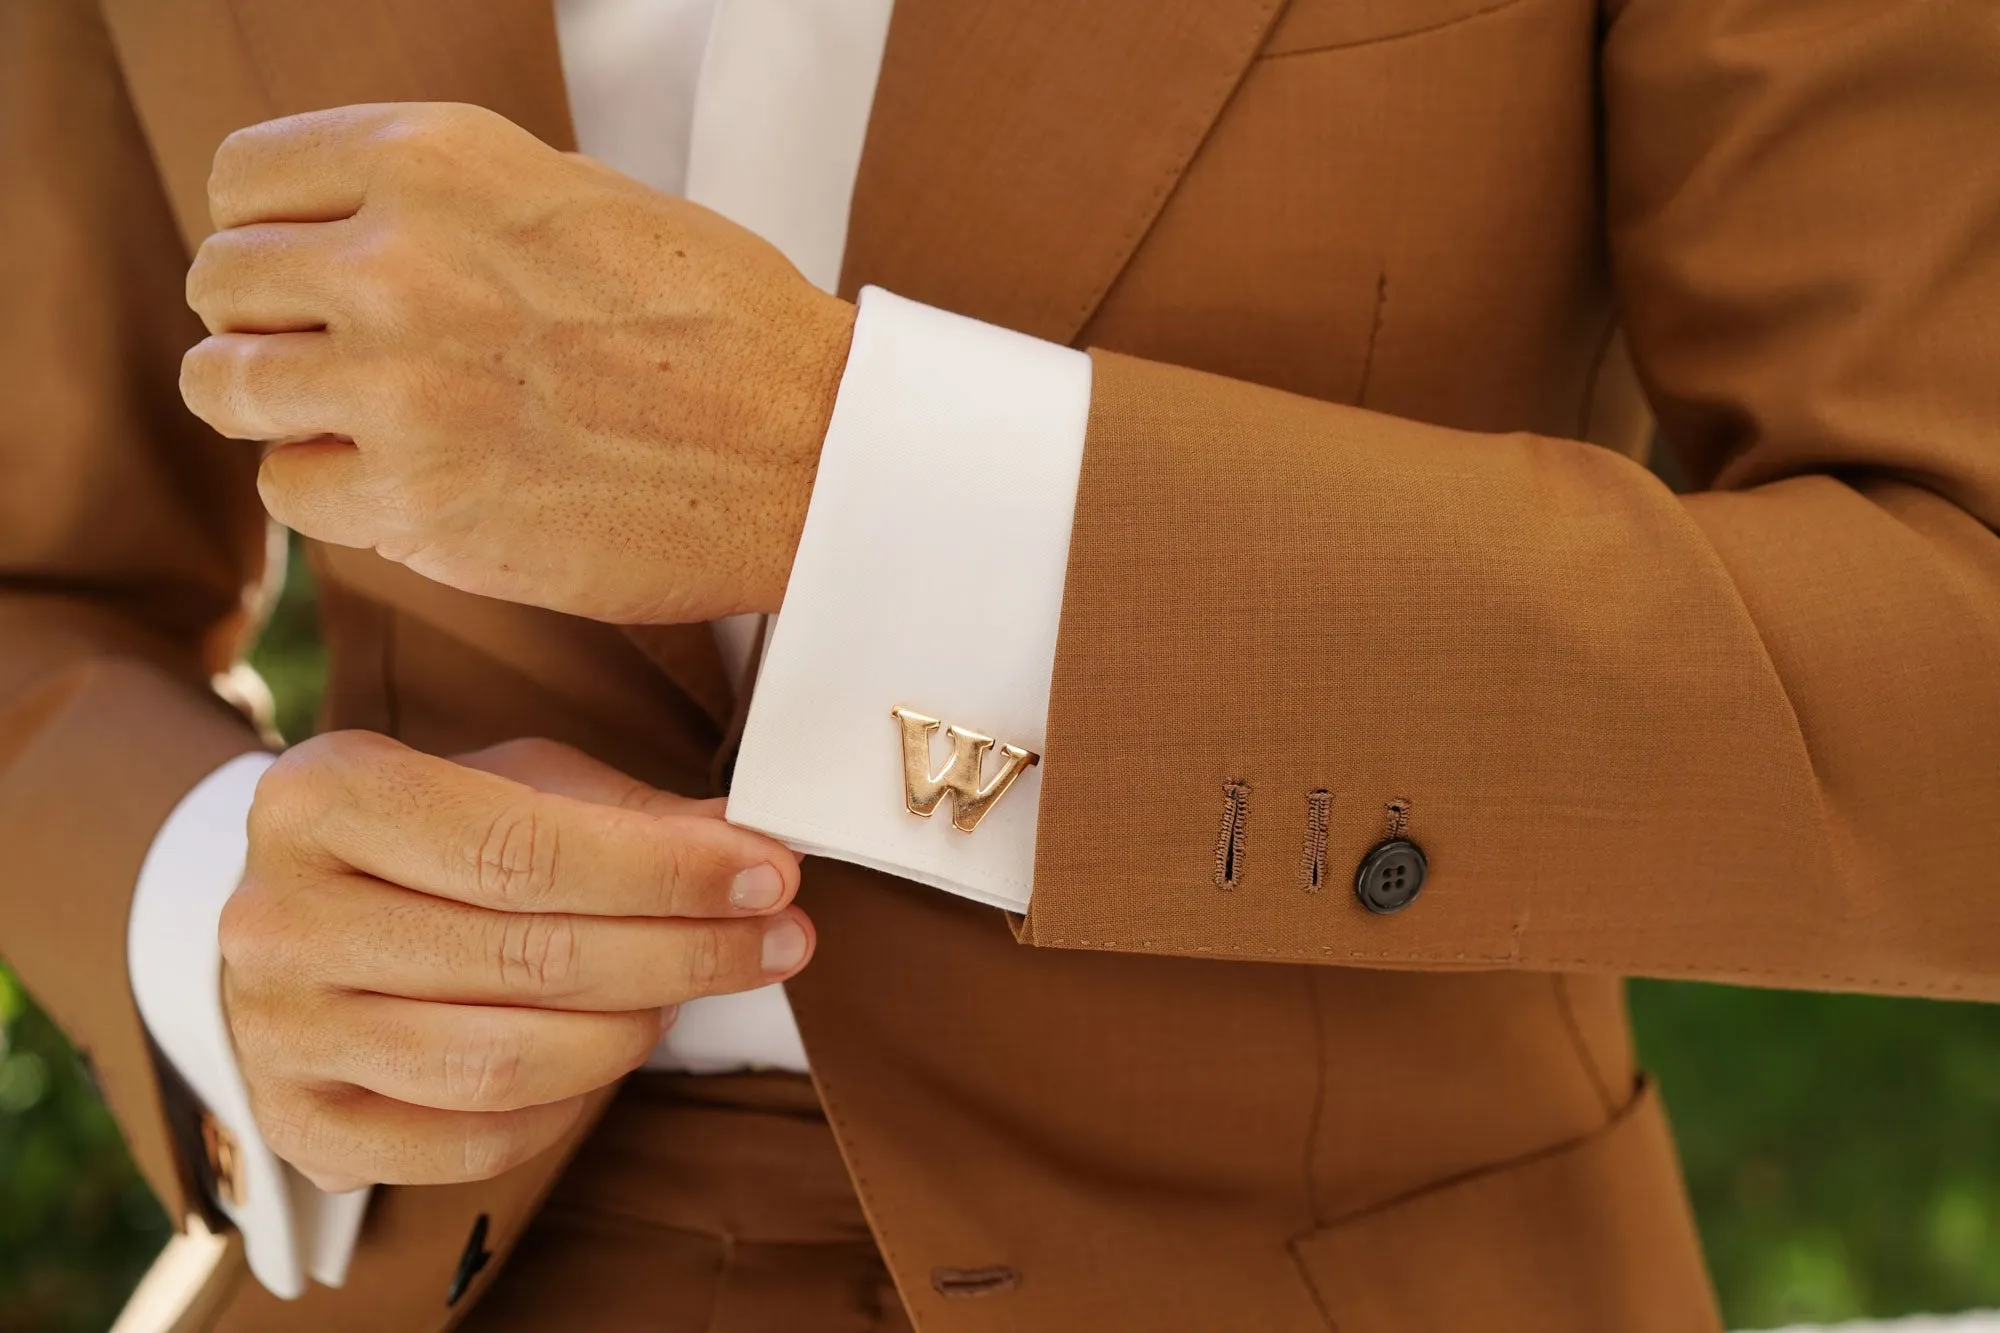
923	789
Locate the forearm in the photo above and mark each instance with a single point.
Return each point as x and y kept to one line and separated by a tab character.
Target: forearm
99	739
1633	733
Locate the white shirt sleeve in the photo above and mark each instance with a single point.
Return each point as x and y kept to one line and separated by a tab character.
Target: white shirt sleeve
290	1228
929	576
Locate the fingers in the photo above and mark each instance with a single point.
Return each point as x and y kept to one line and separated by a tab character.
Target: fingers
313	167
324	489
362	935
563	770
345	1138
322	166
268	386
270	277
460	1057
291	387
445	829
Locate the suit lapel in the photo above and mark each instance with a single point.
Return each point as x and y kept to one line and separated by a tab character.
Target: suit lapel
1020	149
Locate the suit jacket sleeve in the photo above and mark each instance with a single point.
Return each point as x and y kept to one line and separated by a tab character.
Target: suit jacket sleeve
128	535
1750	734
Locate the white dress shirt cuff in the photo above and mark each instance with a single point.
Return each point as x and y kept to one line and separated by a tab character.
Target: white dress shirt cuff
289	1227
929	576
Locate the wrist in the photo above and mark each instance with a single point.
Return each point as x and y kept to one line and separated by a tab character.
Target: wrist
826	336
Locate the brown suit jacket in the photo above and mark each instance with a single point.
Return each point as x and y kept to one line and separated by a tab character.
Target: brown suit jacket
1360	513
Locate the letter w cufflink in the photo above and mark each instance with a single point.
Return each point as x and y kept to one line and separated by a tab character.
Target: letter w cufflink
970	800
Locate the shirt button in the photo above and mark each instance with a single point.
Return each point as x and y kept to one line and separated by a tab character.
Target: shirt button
1391	876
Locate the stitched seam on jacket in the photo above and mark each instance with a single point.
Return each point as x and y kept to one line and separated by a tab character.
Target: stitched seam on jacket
1383	39
871	1209
1607	966
1130	241
1495	1173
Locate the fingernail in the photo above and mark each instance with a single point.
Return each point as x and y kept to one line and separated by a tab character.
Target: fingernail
757	889
784	946
668	1017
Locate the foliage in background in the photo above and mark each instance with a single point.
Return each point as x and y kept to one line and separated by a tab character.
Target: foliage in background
288	655
77	1226
1843	1152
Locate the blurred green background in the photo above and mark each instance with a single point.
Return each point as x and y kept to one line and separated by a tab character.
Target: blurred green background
1844	1153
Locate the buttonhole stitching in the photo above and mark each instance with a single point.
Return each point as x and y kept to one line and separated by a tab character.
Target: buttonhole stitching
1398	821
1229	843
1312	866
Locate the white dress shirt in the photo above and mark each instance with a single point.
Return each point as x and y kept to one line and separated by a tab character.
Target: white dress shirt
757	109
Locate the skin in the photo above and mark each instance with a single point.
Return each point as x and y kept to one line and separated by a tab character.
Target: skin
511	369
429	963
526	376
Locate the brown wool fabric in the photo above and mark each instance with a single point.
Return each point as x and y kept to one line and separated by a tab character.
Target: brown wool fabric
1380	292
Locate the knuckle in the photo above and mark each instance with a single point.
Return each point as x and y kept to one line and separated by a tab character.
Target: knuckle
516	861
643	1031
676	865
288	799
348	761
203	282
293	1122
351	747
528	751
245	384
384	269
413	146
255	1031
203	382
320	1135
691	873
486	1068
704	959
539	954
488	1150
251	930
194	378
226	169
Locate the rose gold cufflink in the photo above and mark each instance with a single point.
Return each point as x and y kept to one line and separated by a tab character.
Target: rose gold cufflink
970	800
225	1160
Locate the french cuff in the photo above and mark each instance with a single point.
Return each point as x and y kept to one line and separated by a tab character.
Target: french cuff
290	1228
929	579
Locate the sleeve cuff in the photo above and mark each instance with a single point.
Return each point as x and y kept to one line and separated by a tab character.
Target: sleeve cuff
929	576
290	1228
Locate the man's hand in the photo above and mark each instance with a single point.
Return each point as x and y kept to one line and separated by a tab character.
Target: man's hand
429	963
511	369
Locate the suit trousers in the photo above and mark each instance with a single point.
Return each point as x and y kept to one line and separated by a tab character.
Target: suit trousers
701	1204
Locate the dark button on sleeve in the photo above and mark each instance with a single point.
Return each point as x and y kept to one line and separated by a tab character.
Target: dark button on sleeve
1391	876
